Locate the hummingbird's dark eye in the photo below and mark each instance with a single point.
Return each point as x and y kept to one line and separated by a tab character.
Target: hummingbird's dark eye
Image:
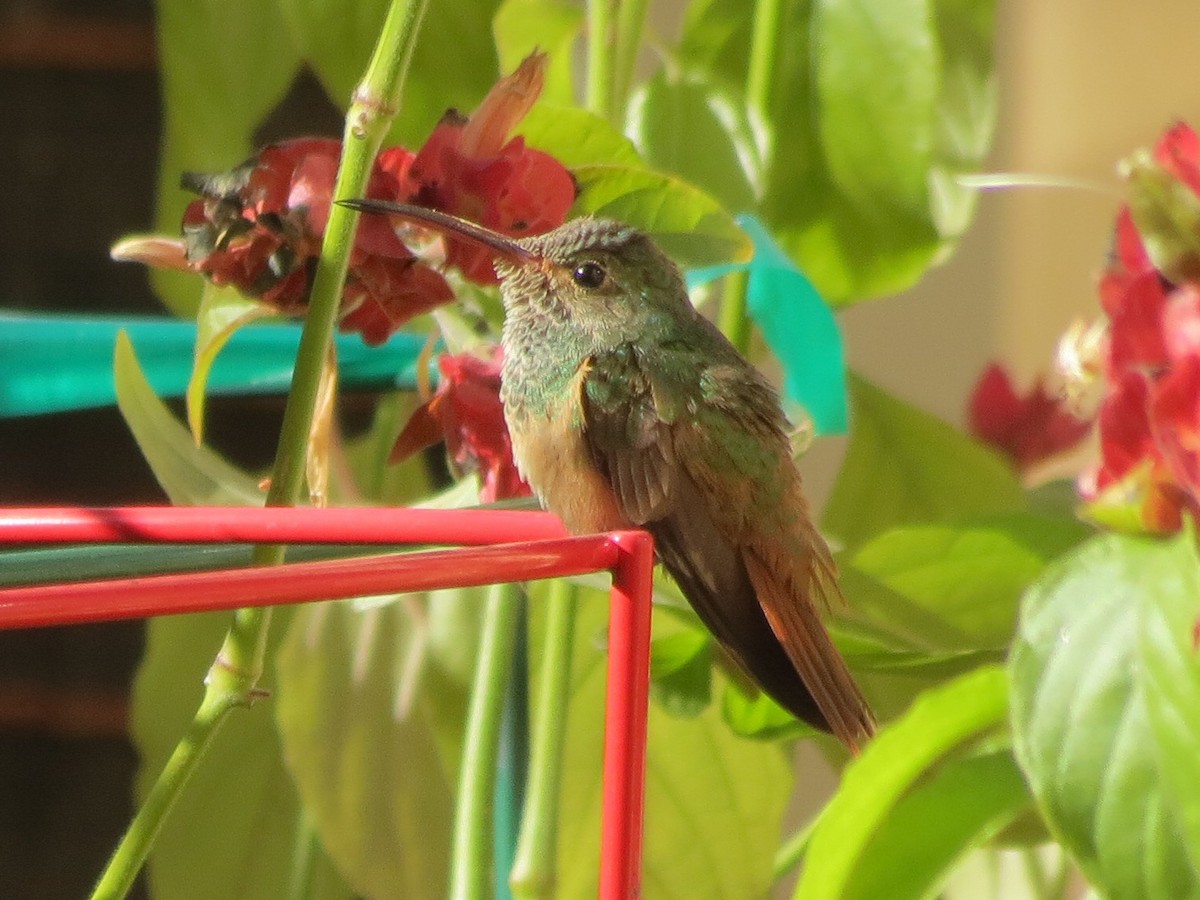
589	275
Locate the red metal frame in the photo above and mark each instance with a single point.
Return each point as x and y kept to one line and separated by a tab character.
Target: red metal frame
506	546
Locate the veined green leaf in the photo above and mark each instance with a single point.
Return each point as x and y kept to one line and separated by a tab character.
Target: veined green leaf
1169	676
1082	730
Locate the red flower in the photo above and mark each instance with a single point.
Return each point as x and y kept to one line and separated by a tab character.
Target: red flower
471	168
1026	428
467	413
259	228
1149	420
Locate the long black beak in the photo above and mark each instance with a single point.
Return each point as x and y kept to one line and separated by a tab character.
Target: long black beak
500	244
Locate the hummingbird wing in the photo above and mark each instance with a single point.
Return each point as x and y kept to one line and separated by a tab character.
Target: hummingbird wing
709	474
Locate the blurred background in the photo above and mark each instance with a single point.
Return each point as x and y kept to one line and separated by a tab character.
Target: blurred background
1082	84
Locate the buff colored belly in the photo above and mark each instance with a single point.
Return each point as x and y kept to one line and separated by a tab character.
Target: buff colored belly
553	458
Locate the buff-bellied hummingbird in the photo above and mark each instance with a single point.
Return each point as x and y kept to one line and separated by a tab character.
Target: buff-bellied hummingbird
628	408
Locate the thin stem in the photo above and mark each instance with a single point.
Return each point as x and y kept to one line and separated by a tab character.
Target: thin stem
535	870
305	852
734	321
789	855
631	21
122	870
600	56
233	678
471	857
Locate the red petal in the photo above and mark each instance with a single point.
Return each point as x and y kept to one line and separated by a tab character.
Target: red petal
1179	153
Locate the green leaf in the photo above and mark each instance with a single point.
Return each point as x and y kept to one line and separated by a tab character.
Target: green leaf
223	310
1170	679
362	713
225	64
233	831
576	137
759	717
190	475
957	809
1082	731
714	802
681	672
716	39
334	38
695	131
905	466
968	577
689	225
877	80
965	113
940	721
522	26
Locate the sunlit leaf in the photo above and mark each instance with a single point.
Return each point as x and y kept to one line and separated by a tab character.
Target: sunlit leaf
1170	679
692	129
714	802
1082	731
576	137
190	475
359	710
940	721
222	312
905	466
968	576
958	808
522	26
689	225
233	831
681	672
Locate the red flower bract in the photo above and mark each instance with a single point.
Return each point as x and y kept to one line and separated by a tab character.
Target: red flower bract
467	413
1149	419
1026	428
259	228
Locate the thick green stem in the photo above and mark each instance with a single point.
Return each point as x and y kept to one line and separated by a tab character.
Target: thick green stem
764	55
471	852
734	320
535	870
232	680
601	56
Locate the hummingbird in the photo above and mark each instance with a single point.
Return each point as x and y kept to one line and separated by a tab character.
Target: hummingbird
627	408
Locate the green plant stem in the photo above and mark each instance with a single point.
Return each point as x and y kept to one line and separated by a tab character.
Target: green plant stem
535	871
601	52
232	680
631	21
512	769
734	321
470	855
764	55
789	855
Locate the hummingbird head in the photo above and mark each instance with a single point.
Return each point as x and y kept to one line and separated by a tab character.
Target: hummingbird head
599	276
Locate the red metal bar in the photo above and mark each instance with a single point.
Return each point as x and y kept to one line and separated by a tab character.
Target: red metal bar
279	525
542	553
626	703
156	595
